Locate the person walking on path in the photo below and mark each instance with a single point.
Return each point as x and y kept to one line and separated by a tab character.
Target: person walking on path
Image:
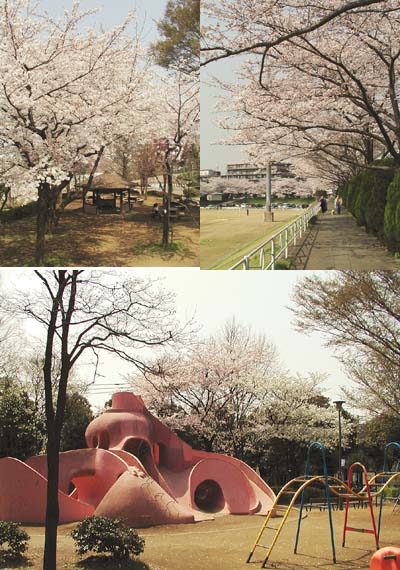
324	204
338	204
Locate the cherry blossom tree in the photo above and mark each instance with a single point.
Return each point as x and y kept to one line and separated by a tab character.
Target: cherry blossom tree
181	110
329	96
234	27
229	394
65	95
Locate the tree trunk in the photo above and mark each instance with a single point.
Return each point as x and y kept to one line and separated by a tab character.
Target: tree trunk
53	215
167	204
52	508
64	307
41	223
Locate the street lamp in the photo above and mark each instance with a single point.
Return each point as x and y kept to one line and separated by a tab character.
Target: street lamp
339	407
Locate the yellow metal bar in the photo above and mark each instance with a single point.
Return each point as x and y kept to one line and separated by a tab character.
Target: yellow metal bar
333	483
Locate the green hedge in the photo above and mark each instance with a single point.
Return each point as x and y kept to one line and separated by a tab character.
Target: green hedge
373	197
392	215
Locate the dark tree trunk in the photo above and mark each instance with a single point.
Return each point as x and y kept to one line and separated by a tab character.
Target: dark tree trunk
52	508
89	183
41	223
168	187
62	310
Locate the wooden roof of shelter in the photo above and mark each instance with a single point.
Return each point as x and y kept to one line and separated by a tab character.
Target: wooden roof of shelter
110	181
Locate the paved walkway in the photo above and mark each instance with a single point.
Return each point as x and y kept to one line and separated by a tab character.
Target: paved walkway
337	242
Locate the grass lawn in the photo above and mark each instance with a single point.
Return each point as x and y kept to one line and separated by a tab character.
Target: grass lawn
224	544
104	240
228	234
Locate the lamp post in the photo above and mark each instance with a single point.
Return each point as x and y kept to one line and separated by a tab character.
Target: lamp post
339	407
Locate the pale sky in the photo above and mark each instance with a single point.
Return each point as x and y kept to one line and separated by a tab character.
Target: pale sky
112	12
216	156
259	299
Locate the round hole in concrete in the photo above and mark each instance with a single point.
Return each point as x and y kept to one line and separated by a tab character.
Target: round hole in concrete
209	496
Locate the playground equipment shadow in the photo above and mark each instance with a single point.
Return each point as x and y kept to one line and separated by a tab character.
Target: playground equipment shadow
224	544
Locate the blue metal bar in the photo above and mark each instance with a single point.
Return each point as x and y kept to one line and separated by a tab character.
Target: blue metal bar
386	471
321	448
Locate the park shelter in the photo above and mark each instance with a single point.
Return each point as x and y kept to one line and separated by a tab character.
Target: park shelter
110	193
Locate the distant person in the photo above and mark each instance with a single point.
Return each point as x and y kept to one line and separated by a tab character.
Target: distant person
323	202
338	205
155	212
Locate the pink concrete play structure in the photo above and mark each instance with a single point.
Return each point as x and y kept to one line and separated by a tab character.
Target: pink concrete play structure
137	469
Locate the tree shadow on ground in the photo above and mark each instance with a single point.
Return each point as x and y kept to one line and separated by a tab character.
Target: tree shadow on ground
109	563
103	240
7	562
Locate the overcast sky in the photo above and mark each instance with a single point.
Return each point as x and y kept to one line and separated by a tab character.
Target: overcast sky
260	299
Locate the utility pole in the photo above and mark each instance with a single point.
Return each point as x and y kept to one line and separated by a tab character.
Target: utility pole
268	214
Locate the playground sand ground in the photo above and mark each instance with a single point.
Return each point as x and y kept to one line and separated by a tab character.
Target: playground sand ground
224	544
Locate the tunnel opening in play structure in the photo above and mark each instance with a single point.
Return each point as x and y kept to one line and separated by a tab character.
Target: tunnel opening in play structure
137	469
209	497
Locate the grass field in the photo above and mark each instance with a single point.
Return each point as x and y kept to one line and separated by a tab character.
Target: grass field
227	235
223	544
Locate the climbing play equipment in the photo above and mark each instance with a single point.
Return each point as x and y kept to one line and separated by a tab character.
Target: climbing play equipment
386	477
316	445
296	488
369	500
332	485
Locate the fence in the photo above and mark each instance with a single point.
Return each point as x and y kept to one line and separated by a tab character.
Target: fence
277	246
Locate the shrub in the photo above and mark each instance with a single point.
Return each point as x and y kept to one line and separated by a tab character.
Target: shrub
106	535
352	193
14	537
392	215
365	196
377	182
283	264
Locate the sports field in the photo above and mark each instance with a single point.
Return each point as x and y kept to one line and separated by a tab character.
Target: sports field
227	235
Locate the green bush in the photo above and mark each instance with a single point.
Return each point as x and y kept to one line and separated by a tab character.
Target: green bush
106	535
352	193
283	264
378	182
392	215
365	196
13	539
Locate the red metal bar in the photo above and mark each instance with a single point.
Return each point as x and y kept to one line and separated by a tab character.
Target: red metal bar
369	499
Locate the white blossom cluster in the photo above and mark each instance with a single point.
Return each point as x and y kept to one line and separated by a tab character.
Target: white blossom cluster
65	94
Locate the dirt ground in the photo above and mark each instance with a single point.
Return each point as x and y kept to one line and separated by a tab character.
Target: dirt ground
228	234
105	240
224	544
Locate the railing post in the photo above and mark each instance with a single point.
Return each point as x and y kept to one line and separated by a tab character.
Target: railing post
273	254
286	243
288	235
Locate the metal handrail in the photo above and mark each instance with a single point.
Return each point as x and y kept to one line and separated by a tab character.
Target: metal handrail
278	244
